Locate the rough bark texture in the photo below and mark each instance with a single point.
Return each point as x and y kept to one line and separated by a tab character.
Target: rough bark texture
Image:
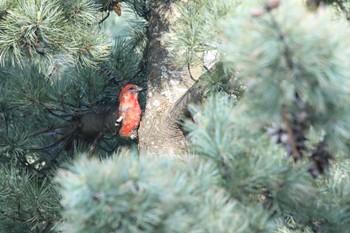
159	133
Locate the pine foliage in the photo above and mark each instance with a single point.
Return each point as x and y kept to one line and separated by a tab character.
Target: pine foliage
278	60
267	146
27	203
226	187
43	31
195	32
57	64
139	195
38	109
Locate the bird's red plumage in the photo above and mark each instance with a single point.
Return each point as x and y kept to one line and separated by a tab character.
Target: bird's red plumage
129	111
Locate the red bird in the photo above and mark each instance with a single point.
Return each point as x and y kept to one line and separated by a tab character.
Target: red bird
129	112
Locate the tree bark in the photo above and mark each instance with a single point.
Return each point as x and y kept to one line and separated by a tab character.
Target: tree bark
159	132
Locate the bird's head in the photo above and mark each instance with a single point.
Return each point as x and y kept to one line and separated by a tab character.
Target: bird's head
130	89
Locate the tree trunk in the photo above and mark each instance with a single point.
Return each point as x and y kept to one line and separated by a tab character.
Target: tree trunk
159	132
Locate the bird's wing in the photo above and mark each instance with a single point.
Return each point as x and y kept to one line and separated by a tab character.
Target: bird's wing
119	119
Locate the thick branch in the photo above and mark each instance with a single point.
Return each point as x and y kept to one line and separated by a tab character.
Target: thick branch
90	126
92	123
194	95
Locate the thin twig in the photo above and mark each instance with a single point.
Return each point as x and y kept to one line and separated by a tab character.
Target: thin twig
207	69
104	18
136	74
291	139
46	106
287	53
55	143
189	72
48	130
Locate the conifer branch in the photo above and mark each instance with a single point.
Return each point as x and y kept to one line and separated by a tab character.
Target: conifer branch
291	138
42	131
287	52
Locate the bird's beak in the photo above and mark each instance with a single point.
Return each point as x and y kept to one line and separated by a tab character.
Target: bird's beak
138	89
